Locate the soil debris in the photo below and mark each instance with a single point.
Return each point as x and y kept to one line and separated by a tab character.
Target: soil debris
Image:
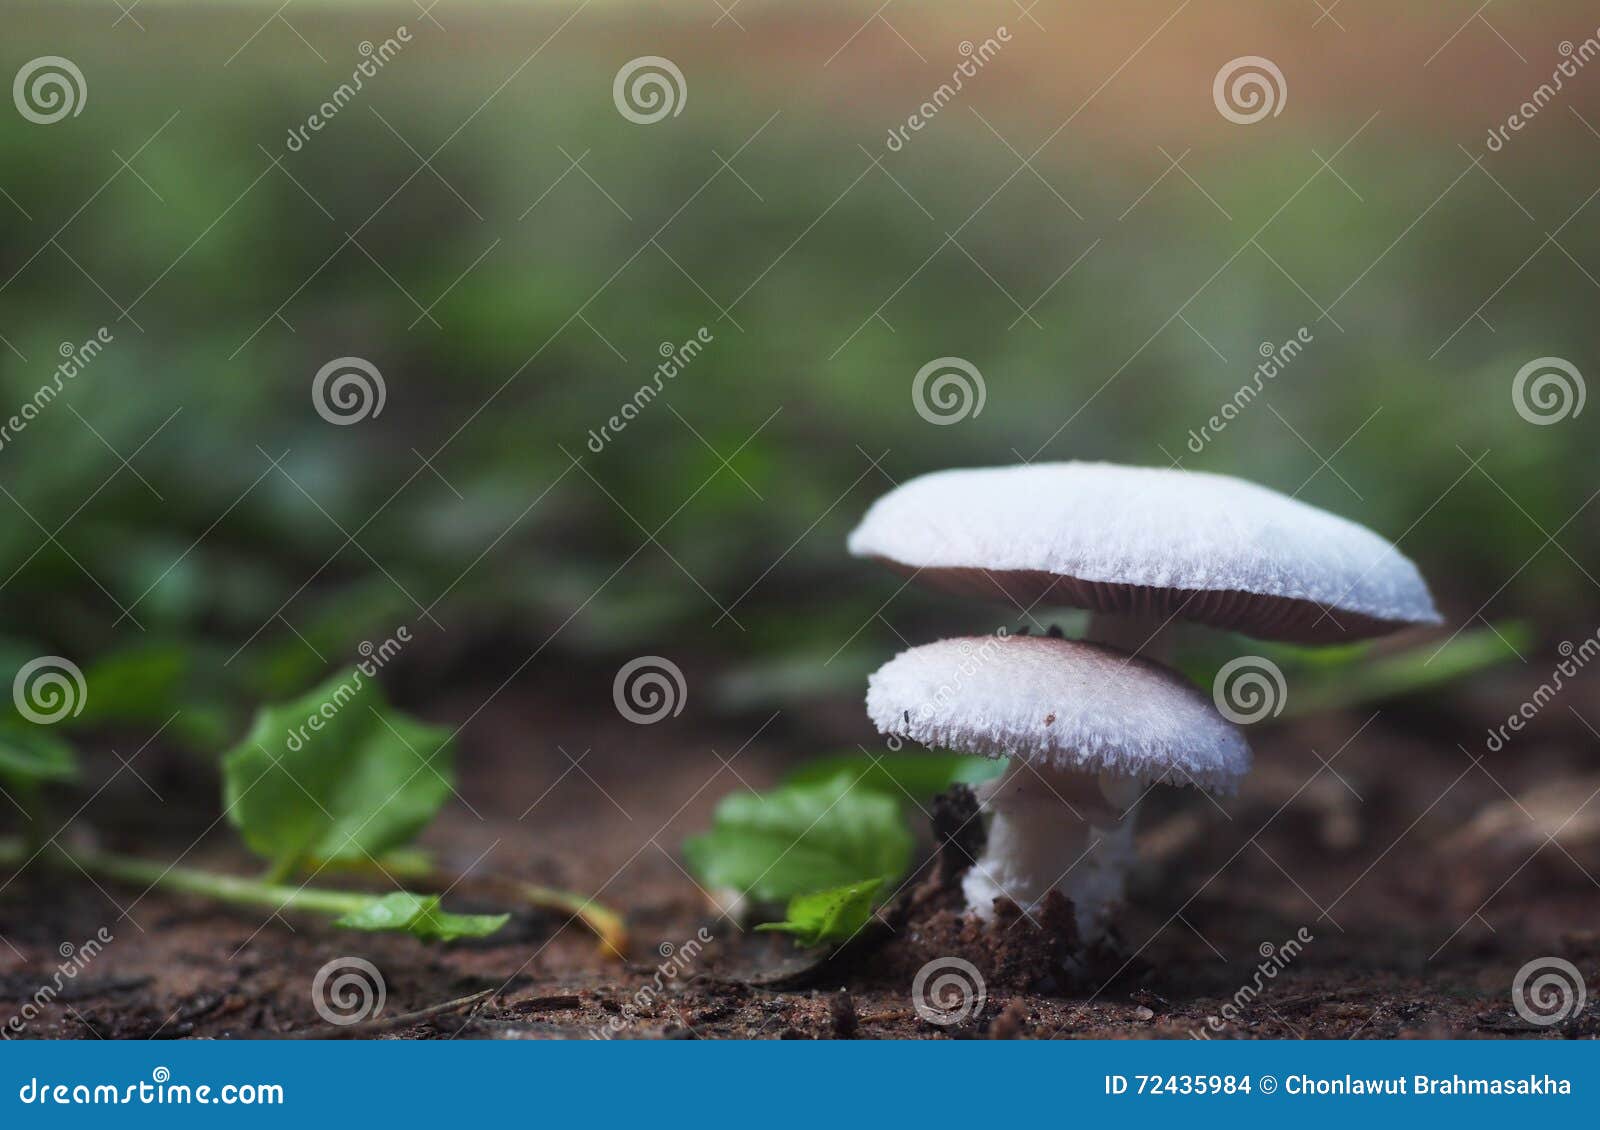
1012	1023
842	1012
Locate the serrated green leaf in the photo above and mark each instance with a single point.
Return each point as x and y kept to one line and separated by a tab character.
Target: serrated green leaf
31	755
420	916
906	777
834	915
798	839
336	774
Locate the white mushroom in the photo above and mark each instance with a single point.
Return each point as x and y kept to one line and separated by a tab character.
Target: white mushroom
1140	548
1150	544
1085	727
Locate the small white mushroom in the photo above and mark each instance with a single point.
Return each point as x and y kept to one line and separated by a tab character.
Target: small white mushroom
1085	728
1149	544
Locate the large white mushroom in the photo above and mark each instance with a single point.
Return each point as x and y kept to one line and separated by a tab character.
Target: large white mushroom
1141	547
1085	727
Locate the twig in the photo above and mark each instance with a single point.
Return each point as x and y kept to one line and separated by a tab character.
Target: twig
379	1025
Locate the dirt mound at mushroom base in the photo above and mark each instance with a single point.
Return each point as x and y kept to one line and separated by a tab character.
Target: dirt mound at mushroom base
1012	952
1039	952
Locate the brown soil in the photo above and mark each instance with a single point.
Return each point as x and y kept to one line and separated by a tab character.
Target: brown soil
1422	884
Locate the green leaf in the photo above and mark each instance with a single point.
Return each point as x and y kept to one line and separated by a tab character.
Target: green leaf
420	916
31	755
1355	678
834	915
141	684
797	839
335	775
156	684
907	777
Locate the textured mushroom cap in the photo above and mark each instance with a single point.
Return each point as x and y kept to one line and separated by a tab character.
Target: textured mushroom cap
1061	703
1148	540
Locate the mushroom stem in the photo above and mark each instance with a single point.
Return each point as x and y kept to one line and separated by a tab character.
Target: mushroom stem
1051	829
1145	635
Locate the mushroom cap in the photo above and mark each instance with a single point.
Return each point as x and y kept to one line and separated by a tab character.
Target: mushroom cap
1059	703
1147	540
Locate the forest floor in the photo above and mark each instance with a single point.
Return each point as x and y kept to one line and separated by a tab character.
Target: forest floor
1415	871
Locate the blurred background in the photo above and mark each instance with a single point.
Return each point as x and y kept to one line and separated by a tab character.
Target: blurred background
484	225
510	252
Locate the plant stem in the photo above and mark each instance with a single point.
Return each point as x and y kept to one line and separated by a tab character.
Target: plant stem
188	880
607	925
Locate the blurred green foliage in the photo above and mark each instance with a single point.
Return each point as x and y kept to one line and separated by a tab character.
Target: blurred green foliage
514	294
